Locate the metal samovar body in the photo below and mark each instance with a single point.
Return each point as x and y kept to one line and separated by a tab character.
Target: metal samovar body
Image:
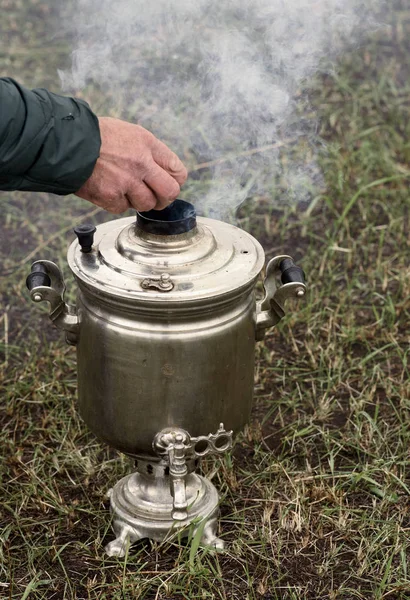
163	358
165	326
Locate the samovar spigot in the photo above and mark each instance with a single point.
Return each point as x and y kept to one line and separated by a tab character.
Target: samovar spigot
177	446
178	470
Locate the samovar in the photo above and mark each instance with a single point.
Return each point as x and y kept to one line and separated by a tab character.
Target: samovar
165	326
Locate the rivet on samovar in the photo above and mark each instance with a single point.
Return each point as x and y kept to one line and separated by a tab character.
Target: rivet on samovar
165	326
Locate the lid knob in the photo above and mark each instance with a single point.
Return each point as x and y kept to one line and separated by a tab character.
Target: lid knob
85	234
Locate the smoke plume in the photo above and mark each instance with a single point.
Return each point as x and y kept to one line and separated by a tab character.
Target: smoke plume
218	79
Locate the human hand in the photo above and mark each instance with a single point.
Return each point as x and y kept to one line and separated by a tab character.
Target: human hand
134	170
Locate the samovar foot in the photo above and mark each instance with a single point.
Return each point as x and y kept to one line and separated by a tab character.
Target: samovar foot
126	536
165	498
142	506
209	537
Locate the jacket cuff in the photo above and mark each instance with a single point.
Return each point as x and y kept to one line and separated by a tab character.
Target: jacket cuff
48	142
70	150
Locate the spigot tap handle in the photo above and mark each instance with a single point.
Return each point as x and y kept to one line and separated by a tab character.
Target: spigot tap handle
178	471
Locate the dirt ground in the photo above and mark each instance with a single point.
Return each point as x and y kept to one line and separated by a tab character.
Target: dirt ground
315	495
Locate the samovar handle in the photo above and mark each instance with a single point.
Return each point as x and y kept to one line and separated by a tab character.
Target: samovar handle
46	284
271	310
177	446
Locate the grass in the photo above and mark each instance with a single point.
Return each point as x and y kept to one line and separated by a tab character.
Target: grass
315	495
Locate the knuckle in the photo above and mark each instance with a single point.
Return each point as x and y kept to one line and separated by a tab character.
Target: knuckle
144	134
141	161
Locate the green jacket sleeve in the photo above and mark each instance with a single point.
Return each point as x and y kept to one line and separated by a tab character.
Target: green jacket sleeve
48	143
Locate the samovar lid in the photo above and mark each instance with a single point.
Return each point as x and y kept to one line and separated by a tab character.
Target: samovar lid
167	256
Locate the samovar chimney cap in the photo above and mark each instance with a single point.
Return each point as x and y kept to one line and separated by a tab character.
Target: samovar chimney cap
178	217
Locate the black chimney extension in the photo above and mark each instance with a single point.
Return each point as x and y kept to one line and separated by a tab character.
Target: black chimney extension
178	217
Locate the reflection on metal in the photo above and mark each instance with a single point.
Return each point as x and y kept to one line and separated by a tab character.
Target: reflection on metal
62	315
162	283
177	446
271	310
142	506
165	326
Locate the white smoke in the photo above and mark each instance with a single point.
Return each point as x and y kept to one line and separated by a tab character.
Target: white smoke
217	78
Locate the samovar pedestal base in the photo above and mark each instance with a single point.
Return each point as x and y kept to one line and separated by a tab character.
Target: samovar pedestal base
142	507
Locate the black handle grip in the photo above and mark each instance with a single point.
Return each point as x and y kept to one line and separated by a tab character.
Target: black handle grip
291	273
38	276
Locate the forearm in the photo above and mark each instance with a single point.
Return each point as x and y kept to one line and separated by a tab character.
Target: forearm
47	142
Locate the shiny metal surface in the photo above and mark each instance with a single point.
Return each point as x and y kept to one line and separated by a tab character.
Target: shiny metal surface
272	308
214	259
178	447
150	359
143	371
142	506
165	328
175	352
62	315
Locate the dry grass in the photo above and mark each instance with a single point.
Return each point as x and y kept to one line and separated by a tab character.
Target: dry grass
316	494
